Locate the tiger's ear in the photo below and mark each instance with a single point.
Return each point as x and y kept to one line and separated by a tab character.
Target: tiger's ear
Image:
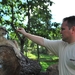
3	31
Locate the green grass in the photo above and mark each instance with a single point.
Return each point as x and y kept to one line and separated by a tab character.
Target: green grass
43	57
46	64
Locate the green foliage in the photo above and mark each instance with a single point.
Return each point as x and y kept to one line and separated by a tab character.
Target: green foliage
34	15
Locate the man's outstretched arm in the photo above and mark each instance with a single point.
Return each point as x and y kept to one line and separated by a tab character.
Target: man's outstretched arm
37	39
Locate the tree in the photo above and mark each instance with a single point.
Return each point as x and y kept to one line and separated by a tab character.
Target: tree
14	13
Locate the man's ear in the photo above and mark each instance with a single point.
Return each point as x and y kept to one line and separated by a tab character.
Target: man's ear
73	29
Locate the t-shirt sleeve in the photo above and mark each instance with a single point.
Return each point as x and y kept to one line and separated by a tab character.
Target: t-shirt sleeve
52	45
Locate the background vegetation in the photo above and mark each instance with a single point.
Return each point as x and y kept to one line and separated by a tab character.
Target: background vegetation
33	15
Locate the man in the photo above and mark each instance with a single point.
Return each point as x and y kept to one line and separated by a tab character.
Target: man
64	48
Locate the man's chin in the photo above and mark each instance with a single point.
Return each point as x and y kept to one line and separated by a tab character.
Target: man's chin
64	40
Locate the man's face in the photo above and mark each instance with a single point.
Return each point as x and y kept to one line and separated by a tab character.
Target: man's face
66	32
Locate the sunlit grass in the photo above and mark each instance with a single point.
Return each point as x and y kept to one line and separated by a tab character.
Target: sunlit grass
48	56
31	56
45	65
